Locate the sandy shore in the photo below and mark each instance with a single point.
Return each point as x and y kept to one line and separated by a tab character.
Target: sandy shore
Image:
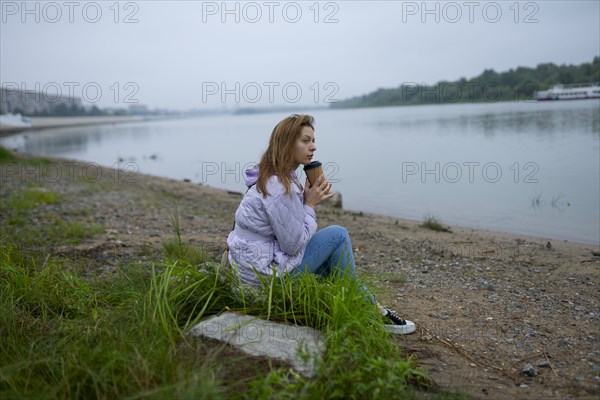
486	304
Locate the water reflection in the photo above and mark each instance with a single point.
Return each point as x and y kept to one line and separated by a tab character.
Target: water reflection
79	139
538	122
558	203
542	119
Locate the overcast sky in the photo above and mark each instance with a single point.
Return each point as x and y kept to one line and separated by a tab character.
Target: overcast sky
191	54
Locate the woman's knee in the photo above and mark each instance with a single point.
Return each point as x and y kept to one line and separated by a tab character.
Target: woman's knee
338	230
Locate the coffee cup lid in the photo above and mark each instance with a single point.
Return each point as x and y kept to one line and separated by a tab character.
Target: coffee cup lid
313	164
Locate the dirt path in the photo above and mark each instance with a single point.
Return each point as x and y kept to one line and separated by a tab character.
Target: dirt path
486	304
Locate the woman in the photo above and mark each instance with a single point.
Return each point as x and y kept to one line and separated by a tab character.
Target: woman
276	224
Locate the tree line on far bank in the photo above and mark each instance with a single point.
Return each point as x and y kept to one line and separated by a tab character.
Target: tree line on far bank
518	84
64	110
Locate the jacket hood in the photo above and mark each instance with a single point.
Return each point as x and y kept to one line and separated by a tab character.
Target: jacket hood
251	176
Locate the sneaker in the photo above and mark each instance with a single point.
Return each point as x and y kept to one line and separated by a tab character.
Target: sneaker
399	325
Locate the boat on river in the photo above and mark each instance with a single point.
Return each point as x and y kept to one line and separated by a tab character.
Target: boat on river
570	92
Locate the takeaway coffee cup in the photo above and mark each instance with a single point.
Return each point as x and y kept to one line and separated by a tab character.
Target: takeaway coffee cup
313	171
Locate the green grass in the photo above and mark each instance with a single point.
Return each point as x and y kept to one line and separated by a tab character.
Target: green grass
65	335
49	228
64	338
31	198
176	250
20	204
432	223
6	155
66	232
123	336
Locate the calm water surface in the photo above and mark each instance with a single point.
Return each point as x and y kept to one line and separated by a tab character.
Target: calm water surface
530	168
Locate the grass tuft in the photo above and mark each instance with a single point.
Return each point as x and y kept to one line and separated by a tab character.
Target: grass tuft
6	156
184	252
176	250
31	198
434	224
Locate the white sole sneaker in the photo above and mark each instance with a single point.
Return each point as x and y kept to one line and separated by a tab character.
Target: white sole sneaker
410	327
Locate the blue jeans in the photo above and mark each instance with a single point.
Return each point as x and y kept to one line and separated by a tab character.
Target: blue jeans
328	252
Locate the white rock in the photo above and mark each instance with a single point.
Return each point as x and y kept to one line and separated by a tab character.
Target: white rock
258	337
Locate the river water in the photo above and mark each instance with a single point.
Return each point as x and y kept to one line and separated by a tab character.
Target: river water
521	167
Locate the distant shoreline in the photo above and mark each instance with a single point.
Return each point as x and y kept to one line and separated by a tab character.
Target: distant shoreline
40	123
520	84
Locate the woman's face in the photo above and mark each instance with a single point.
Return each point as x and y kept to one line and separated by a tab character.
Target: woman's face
305	146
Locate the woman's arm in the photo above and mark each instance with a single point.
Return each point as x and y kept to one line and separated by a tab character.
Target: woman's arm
293	222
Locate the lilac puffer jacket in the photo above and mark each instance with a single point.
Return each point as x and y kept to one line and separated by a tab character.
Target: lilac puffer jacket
270	232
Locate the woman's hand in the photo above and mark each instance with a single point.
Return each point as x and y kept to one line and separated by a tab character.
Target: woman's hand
318	192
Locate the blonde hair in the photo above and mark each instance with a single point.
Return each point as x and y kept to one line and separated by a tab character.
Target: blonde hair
278	159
